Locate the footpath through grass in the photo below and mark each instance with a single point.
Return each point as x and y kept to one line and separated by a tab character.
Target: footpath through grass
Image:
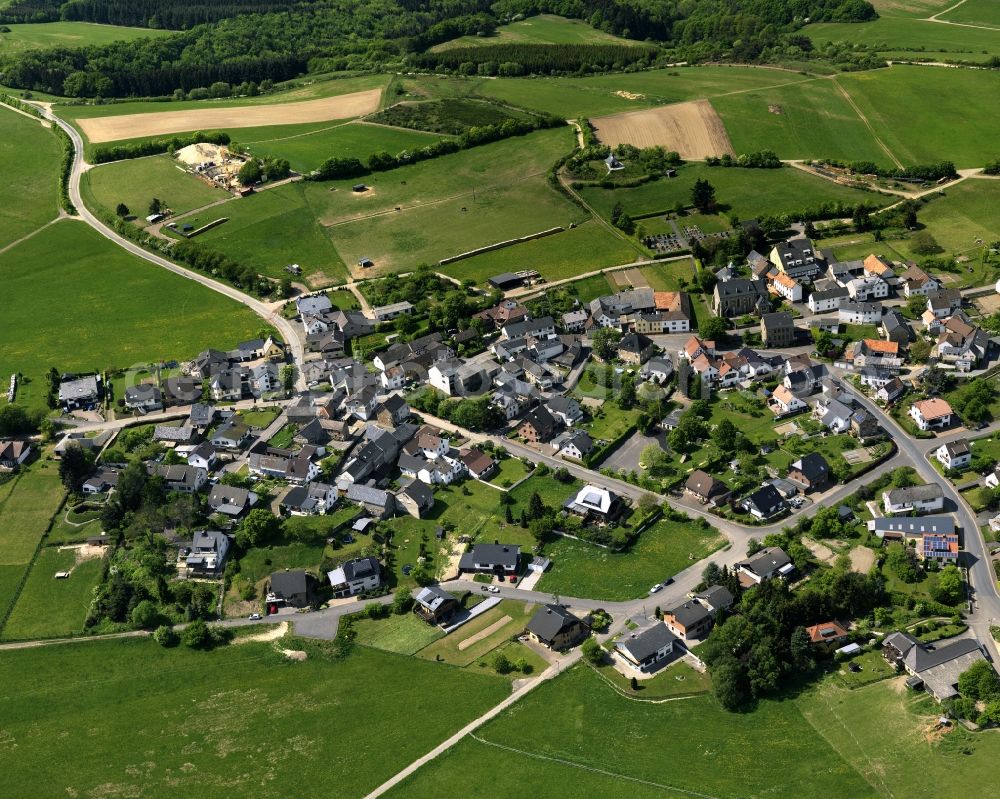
217	724
29	163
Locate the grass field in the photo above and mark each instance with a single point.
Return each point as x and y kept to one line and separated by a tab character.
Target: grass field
307	146
917	131
267	723
45	36
582	724
586	247
815	121
541	29
448	650
914	38
26	504
138	181
975	12
581	569
111	309
50	607
404	634
29	162
747	193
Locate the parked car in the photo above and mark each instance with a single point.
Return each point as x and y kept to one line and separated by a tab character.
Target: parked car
493	589
655	588
513	578
254	617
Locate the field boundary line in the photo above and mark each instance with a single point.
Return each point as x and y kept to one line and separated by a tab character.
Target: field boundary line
301	135
933	17
593	769
624	695
27	236
861	115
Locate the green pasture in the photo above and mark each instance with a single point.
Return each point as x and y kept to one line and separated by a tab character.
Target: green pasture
50	607
113	309
915	111
975	12
582	569
49	35
138	181
267	723
916	37
541	29
29	163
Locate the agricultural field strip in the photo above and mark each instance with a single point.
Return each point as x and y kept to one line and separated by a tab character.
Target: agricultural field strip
130	126
850	101
595	769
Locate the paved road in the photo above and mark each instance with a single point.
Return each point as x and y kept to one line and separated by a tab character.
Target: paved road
288	331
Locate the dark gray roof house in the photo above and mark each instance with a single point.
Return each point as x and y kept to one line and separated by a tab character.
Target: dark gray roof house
555	627
491	558
645	648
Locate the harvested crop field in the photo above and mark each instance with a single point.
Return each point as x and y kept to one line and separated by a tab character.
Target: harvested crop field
133	126
693	129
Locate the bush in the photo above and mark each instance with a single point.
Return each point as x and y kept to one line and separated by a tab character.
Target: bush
592	651
165	636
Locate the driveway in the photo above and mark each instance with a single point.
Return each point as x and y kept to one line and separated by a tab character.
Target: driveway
627	455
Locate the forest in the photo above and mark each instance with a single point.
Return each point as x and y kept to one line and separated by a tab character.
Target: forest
254	40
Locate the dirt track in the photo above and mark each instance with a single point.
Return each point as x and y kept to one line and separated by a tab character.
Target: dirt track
693	129
131	126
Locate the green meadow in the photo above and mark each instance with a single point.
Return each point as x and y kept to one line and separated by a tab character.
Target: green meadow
975	12
44	36
112	309
916	37
29	161
540	29
127	717
747	193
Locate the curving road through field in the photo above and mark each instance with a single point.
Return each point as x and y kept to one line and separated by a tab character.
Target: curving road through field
288	332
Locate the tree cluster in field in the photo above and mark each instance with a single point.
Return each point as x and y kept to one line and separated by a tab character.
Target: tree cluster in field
757	652
452	116
290	38
921	172
992	167
979	694
339	167
514	60
762	159
140	149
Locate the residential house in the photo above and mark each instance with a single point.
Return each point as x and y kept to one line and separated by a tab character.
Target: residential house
435	605
498	559
555	627
716	598
845	271
875	378
690	620
636	349
940	547
739	296
768	564
763	503
203	457
645	649
101	482
879	267
362	404
784	403
833	414
895	327
226	384
866	289
615	310
913	499
798	259
377	503
574	444
293	467
144	397
935	668
707	489
79	392
566	409
659	369
575	321
875	353
207	555
828	635
962	344
478	463
263	379
181	478
787	287
954	455
864	426
944	302
231	500
673	309
900	528
916	282
310	500
538	426
543	327
416	498
595	504
355	577
232	435
860	313
180	390
777	329
931	414
201	417
811	472
827	296
386	313
14	453
891	391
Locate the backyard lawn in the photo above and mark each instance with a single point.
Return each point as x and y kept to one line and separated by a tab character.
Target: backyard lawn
463	647
49	607
582	569
405	634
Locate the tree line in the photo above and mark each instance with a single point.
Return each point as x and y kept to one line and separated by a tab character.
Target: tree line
140	149
167	14
512	60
